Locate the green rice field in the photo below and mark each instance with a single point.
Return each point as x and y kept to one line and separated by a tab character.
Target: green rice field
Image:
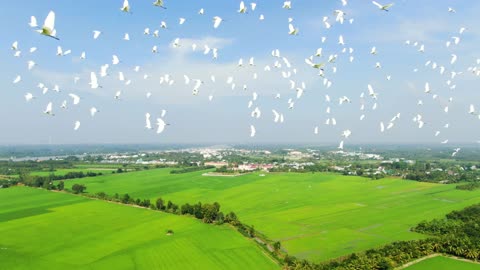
315	216
47	230
443	263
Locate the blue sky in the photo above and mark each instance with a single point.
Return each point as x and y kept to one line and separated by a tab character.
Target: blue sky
226	119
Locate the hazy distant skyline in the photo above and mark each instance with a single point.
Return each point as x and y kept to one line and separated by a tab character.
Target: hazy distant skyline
226	119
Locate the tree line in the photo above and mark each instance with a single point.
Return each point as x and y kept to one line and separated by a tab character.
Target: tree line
47	181
190	169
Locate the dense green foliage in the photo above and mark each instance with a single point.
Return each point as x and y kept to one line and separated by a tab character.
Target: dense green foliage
190	169
469	186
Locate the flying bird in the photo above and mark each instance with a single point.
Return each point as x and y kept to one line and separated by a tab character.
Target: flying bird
48	28
382	7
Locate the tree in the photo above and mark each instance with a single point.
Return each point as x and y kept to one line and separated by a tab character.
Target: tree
197	210
277	246
231	218
61	185
220	218
125	198
77	188
209	212
160	204
251	231
169	205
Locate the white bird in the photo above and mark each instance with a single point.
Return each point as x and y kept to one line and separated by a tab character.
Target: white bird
159	3
30	65
253	6
93	80
48	28
287	5
422	48
29	97
243	8
299	92
217	21
96	34
115	60
148	124
292	30
451	10
472	109
427	88
33	22
373	50
163	113
456	40
83	56
126	37
77	125
161	125
251	61
340	146
15	46
371	92
176	43
117	95
201	11
346	133
252	131
454	59
17	79
49	109
93	111
76	99
382	7
341	41
125	7
315	130
276	115
382	127
181	21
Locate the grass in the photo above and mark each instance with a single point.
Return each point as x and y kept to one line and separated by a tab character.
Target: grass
47	230
315	216
81	169
444	263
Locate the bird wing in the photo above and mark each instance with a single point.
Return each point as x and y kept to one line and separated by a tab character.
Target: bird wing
377	4
50	21
161	125
291	28
76	99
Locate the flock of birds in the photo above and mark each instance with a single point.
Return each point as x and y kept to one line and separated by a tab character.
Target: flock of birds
318	61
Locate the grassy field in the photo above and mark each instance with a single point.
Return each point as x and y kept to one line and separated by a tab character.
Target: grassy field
45	230
443	263
315	216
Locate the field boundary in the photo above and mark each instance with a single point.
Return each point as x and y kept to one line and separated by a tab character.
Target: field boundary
433	256
223	175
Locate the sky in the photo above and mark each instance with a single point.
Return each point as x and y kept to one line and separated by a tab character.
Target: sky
226	118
